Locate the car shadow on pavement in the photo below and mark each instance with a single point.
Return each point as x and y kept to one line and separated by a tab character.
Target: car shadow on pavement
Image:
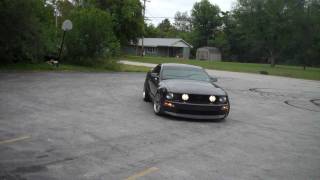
172	118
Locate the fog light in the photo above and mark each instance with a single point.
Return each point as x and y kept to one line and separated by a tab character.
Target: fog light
168	104
185	97
224	108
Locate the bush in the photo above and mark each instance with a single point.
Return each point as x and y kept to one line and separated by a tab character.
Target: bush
27	30
264	72
92	39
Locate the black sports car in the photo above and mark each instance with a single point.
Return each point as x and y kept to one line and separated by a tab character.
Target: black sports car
185	91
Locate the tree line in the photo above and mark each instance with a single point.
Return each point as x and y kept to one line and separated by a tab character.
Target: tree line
31	29
258	31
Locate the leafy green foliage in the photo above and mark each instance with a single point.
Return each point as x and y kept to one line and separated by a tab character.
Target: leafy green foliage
27	30
182	22
166	29
205	21
259	31
126	17
151	31
274	31
92	37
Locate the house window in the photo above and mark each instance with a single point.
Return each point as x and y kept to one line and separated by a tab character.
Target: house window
151	50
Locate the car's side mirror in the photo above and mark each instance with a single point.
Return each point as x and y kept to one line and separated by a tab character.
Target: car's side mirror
155	76
213	79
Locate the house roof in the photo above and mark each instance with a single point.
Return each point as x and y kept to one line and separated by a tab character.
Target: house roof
164	42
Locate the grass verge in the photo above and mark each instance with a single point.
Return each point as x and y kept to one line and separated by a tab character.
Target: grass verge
44	67
279	70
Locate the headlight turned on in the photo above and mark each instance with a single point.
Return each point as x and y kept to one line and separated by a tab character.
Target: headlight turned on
185	97
212	99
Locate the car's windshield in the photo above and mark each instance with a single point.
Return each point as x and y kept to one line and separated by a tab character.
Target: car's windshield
190	73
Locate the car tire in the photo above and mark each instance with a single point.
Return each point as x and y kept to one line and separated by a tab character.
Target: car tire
157	107
145	95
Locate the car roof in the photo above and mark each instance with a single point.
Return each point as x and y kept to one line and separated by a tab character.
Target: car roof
180	65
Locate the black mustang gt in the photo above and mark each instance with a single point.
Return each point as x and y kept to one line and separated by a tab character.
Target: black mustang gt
185	91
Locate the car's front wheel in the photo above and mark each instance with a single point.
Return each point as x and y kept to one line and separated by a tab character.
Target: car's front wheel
145	95
157	107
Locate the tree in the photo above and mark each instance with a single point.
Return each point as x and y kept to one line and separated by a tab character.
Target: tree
126	16
313	14
64	8
182	21
305	23
205	21
151	31
166	29
92	37
265	24
27	30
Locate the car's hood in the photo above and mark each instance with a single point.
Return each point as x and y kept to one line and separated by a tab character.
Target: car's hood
192	87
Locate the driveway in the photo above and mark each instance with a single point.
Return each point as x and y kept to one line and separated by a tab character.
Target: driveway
96	126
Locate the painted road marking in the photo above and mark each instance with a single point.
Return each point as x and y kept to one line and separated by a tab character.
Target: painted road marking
142	173
14	140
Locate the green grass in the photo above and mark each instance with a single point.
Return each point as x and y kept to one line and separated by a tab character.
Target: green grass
279	70
131	68
44	67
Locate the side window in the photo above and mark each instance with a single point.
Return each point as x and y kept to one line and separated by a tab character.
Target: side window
157	69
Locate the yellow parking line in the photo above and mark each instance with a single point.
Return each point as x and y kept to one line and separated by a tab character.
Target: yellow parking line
14	140
142	173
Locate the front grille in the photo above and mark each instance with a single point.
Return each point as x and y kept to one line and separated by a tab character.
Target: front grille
196	99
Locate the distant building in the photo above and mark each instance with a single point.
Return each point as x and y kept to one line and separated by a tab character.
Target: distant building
208	53
165	47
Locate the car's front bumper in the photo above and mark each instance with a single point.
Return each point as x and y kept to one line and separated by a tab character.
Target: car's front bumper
191	116
196	111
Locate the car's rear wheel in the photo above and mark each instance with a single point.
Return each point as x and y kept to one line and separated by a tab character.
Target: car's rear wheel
157	107
145	95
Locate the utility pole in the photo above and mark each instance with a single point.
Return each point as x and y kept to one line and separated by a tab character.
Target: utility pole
56	14
56	19
143	14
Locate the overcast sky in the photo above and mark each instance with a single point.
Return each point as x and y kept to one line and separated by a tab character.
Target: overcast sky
168	8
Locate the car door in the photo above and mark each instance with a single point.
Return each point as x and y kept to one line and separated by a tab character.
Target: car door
154	79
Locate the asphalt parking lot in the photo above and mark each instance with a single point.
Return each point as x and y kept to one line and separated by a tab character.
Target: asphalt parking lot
96	126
